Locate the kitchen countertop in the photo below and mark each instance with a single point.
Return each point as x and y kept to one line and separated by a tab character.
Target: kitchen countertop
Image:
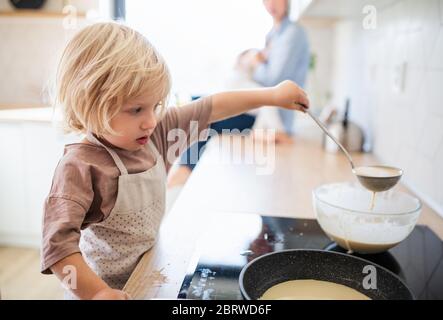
40	114
218	185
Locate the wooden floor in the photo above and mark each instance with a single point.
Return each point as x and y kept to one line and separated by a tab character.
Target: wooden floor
20	277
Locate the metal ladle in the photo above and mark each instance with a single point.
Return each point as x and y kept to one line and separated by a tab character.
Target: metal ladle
374	178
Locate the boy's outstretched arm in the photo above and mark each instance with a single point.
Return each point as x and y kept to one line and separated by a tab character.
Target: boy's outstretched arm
286	95
88	284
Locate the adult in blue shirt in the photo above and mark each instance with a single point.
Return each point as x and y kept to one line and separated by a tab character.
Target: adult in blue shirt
285	57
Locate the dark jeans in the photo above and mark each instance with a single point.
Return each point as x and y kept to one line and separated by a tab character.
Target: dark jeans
241	122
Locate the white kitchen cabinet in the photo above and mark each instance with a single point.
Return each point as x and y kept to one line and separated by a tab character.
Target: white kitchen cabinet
12	188
30	151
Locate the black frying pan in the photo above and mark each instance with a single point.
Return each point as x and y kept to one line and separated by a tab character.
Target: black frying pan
276	267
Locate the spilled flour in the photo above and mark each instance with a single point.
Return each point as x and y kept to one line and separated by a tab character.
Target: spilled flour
157	278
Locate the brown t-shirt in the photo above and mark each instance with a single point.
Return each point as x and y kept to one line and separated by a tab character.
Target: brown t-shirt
85	184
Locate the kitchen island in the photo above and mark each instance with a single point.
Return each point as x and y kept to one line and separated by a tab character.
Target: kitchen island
222	184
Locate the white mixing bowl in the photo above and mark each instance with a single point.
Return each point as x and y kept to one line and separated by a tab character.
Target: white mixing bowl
344	213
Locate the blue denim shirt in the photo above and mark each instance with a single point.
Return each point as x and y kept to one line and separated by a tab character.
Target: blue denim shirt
288	59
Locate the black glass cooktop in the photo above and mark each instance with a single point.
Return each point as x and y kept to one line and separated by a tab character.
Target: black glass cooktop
232	240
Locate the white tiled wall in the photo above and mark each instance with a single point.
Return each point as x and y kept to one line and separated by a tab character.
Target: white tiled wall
321	40
405	126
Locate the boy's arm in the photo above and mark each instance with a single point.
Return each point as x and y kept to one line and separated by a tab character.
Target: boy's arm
82	281
286	95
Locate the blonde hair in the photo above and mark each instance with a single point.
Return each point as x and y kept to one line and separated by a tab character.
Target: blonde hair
102	67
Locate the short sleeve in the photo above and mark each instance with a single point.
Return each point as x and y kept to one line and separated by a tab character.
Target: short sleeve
181	127
65	210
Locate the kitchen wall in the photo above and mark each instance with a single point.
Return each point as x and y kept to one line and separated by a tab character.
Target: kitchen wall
394	75
55	5
31	46
321	35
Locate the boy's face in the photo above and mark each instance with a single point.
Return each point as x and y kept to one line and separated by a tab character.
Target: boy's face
135	122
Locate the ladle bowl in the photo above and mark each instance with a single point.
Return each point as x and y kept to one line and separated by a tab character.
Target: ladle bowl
372	181
379	183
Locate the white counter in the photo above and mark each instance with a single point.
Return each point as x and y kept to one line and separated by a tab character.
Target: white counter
47	114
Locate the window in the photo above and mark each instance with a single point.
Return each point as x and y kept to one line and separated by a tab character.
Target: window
200	39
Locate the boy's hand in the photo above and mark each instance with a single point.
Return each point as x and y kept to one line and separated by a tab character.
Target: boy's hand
288	95
111	294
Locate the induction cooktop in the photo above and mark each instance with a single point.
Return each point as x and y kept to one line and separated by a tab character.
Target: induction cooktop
232	240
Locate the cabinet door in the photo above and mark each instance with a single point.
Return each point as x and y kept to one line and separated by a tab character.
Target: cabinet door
12	181
43	149
29	154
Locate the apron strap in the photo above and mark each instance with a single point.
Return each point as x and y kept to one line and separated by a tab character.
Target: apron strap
117	160
158	156
154	150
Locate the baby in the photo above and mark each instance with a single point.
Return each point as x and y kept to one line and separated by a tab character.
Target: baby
107	197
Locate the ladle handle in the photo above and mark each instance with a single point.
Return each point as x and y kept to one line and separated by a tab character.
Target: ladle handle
321	125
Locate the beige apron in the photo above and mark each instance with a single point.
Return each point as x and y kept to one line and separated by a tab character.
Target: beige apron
113	247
